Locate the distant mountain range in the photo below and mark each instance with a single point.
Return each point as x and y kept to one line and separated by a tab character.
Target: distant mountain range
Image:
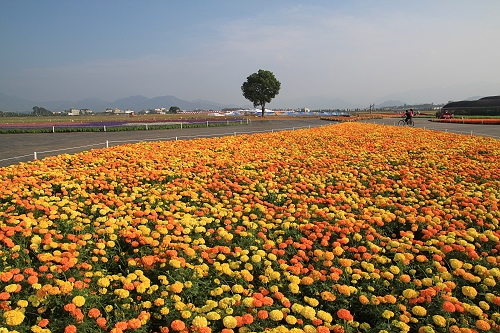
135	103
138	103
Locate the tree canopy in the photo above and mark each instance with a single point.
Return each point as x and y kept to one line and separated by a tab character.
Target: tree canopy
260	88
39	111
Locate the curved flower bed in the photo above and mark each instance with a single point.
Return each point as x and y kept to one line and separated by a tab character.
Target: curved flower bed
344	119
332	229
482	121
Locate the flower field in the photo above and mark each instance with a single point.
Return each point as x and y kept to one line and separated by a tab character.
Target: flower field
343	228
477	121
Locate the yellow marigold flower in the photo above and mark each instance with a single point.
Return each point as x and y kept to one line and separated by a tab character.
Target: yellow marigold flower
394	269
490	282
164	311
22	303
308	312
294	288
122	293
387	314
186	314
455	263
296	307
229	322
276	315
469	291
410	293
256	258
325	316
213	316
78	301
419	311
13	317
311	301
11	288
237	288
439	320
475	310
483	305
291	319
199	322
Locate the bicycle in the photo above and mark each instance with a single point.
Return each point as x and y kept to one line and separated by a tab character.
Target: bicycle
404	122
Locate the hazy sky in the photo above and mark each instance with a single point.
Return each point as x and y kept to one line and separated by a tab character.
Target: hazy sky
358	51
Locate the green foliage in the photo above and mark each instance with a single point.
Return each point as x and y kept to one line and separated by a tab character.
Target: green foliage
39	111
260	88
174	109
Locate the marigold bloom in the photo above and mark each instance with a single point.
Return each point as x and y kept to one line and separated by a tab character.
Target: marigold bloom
483	325
448	306
469	291
344	314
78	301
178	325
230	322
419	311
70	329
276	315
13	317
439	320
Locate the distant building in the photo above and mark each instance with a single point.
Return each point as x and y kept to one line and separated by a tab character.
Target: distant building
486	106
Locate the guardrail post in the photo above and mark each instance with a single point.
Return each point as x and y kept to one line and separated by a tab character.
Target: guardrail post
207	123
146	127
53	129
234	133
34	155
227	122
107	144
181	128
104	128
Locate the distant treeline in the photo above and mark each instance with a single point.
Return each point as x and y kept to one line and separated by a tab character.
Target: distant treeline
37	112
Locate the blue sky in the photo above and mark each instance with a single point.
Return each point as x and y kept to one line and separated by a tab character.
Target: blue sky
358	51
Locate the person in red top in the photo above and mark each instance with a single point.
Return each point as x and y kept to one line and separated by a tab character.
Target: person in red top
409	115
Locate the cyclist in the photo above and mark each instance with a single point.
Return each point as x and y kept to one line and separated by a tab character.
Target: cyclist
409	116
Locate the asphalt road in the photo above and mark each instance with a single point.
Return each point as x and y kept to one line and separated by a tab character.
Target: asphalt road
22	147
15	148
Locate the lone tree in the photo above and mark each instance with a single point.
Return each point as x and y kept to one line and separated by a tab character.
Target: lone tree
260	88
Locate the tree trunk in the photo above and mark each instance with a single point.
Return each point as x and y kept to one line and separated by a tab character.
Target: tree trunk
263	109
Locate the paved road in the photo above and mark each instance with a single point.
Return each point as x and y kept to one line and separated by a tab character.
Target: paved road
15	148
467	129
21	147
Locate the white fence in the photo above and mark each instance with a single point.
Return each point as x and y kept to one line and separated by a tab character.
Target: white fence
37	154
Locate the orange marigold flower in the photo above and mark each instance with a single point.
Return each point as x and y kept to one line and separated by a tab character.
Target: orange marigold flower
448	306
262	314
483	325
178	325
134	323
322	329
94	313
344	314
70	329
